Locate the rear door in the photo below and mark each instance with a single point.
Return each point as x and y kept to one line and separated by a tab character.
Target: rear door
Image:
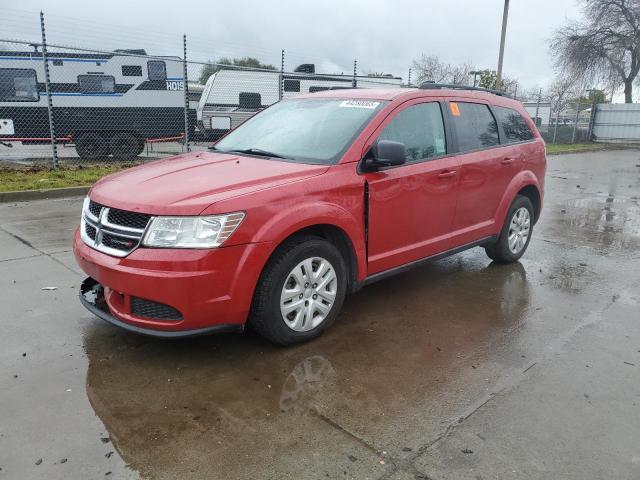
411	206
486	169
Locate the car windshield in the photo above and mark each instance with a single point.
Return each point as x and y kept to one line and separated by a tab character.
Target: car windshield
304	130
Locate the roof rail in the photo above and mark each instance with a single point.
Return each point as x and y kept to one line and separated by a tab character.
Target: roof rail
434	86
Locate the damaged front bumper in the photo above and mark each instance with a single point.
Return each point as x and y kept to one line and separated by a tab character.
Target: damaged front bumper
93	298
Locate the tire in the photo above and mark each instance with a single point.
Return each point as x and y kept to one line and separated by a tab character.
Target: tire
125	146
91	146
504	250
270	299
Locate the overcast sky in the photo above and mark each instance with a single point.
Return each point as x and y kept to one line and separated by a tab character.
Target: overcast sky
384	35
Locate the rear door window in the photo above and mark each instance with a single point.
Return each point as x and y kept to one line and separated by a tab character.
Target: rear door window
515	127
421	129
96	83
474	125
18	85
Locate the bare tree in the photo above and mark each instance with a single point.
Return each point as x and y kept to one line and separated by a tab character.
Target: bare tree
563	91
430	68
604	46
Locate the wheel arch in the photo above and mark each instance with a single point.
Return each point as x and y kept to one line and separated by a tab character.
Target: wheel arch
338	237
326	220
533	194
525	183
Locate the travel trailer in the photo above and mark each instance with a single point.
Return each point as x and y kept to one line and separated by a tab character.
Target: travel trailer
106	104
232	96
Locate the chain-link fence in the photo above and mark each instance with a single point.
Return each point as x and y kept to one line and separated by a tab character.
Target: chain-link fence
571	124
62	106
66	106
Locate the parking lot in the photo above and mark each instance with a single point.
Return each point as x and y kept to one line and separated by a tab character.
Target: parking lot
460	369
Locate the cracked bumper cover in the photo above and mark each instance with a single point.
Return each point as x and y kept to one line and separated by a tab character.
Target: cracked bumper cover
92	297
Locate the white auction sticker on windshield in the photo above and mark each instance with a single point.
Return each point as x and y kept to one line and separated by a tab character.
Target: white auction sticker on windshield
359	104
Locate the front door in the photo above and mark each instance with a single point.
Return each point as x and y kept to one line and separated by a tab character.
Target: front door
411	207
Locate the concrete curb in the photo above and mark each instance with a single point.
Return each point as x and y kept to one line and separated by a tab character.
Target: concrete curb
25	195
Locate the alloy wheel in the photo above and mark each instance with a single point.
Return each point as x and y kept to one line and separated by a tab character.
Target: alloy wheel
519	229
308	294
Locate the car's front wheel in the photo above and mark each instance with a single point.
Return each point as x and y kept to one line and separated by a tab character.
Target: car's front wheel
300	291
516	232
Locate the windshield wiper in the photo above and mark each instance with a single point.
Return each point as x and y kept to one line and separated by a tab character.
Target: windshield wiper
257	151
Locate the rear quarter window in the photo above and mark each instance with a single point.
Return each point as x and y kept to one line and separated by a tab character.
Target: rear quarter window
515	127
474	125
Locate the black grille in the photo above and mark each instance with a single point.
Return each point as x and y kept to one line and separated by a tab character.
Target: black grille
128	219
148	309
94	208
119	243
91	231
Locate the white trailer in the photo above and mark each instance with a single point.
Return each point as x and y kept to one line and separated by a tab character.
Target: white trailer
232	96
543	110
106	104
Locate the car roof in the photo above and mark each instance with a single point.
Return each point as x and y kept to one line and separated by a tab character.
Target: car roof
403	94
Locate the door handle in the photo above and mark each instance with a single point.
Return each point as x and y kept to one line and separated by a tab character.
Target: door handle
447	174
507	160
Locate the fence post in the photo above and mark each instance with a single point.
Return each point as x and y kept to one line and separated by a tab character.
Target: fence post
282	75
355	69
575	123
555	129
592	119
538	107
45	60
186	93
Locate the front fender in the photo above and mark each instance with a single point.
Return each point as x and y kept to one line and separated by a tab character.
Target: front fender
521	180
308	214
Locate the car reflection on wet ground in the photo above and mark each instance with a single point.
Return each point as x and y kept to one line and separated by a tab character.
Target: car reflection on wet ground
459	369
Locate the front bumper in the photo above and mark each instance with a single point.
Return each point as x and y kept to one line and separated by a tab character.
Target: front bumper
92	297
211	289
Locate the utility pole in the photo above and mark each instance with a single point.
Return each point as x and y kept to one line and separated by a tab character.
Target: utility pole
505	14
281	91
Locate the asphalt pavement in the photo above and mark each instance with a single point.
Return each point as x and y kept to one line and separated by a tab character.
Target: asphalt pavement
461	369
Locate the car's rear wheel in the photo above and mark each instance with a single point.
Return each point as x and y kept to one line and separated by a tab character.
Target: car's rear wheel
300	291
515	234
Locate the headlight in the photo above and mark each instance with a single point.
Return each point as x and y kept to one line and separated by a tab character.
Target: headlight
191	232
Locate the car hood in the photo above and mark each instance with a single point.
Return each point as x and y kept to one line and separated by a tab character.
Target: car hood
189	183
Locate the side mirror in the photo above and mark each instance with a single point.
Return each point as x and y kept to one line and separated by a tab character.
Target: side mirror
386	153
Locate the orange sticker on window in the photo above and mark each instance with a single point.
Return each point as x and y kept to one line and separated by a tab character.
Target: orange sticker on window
455	111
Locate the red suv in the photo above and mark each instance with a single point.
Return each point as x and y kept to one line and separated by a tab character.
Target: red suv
307	201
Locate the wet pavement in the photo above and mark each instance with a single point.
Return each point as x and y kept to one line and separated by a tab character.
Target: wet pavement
460	369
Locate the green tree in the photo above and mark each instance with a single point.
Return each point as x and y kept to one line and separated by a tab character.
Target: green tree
247	62
489	79
597	96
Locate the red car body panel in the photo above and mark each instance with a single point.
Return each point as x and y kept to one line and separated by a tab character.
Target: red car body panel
412	212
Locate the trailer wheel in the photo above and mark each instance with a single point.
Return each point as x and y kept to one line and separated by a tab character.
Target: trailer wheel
91	146
125	146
